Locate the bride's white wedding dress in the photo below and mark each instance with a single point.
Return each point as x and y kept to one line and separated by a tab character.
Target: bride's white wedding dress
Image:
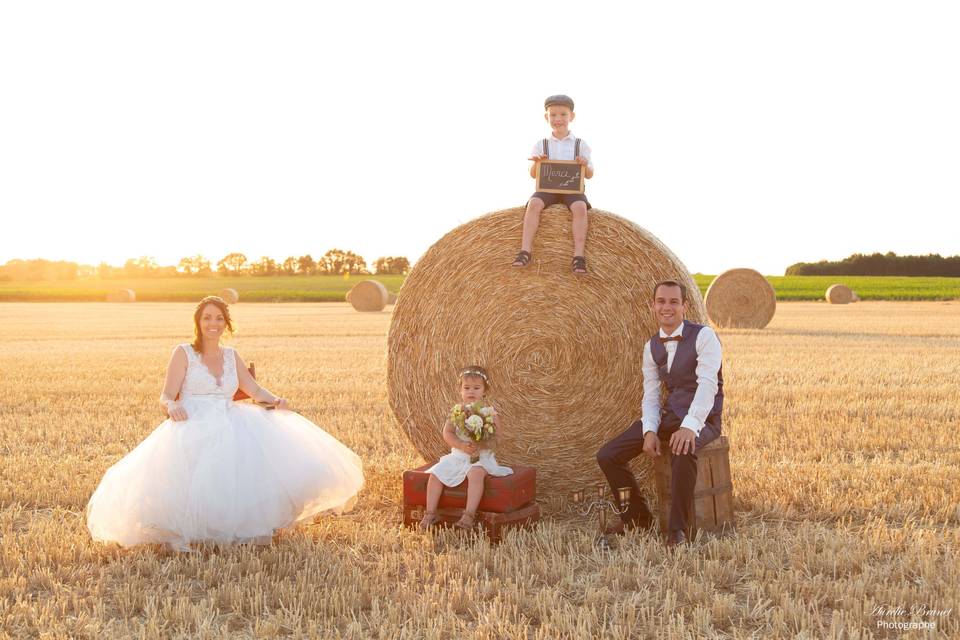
231	472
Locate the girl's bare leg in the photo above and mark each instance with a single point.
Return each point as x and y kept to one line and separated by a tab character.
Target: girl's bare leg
434	489
475	481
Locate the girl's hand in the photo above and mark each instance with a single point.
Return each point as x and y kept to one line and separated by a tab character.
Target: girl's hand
282	404
176	412
469	448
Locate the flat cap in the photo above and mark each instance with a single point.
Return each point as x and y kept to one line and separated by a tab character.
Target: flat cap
559	99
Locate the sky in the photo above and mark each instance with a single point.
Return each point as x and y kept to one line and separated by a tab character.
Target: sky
741	134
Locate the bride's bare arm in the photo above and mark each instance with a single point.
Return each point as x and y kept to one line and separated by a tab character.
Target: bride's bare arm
253	389
176	372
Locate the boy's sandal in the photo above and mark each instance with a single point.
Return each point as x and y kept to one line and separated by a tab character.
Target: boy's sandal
522	259
429	519
467	521
579	264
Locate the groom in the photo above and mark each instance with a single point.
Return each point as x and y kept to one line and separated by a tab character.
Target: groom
685	358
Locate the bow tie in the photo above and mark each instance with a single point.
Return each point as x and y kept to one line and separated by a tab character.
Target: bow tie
671	339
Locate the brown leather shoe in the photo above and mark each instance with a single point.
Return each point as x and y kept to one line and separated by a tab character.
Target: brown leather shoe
676	538
619	528
615	529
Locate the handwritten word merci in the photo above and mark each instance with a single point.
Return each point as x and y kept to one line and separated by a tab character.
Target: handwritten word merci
567	176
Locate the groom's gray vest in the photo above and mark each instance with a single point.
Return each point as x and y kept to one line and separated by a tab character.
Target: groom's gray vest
681	380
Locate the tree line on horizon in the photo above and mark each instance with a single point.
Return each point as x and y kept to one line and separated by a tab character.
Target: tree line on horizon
333	262
881	264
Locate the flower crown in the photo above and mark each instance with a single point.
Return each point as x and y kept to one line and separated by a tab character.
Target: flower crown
471	372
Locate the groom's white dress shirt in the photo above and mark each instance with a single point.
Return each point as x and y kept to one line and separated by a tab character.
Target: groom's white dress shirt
709	357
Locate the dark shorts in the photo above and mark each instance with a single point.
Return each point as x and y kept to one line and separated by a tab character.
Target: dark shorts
561	198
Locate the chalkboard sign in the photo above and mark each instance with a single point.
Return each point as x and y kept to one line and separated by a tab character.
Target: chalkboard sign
559	176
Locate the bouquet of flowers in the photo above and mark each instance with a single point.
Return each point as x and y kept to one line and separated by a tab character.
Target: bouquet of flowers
473	421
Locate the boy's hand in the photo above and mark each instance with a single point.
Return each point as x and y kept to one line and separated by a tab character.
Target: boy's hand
582	161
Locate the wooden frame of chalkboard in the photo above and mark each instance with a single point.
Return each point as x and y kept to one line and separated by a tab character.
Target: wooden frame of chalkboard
559	176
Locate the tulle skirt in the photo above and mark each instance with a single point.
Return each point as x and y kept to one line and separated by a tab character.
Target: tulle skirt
230	473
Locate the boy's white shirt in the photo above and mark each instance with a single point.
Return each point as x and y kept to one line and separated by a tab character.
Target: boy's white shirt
563	148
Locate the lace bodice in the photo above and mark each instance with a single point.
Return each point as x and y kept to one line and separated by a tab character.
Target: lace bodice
200	382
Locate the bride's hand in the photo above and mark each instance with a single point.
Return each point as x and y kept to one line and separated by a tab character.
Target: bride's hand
282	404
176	412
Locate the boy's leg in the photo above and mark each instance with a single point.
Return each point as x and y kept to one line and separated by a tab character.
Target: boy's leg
579	211
531	221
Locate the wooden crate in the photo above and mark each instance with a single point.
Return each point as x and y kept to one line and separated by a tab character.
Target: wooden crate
495	525
500	494
713	494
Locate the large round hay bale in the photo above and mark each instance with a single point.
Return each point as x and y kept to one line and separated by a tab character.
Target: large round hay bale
839	294
368	295
740	299
230	296
122	295
564	352
391	298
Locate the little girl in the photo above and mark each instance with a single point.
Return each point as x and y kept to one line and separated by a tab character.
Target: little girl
452	468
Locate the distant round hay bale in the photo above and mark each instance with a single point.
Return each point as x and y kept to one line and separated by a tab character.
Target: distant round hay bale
230	296
391	298
854	297
740	299
839	294
368	295
564	352
122	295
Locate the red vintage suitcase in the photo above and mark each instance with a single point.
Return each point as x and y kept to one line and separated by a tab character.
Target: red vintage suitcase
500	495
495	525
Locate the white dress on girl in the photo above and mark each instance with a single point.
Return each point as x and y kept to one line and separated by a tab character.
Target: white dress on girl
452	468
231	472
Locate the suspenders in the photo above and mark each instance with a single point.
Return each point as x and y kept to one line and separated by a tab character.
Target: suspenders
576	148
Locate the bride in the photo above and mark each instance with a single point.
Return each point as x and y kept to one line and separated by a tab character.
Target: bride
216	470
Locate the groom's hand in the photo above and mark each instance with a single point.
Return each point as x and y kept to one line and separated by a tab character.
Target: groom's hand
683	441
651	444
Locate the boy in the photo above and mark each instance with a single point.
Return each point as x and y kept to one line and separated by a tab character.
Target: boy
562	145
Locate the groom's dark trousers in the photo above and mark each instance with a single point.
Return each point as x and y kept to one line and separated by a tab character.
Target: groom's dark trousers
614	460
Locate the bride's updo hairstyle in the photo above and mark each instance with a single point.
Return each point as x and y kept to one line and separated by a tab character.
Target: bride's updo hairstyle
219	303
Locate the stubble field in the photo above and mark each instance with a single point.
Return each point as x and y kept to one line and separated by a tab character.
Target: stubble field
845	452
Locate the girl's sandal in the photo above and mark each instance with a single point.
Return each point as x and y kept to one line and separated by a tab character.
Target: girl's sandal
467	521
429	519
579	265
522	259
